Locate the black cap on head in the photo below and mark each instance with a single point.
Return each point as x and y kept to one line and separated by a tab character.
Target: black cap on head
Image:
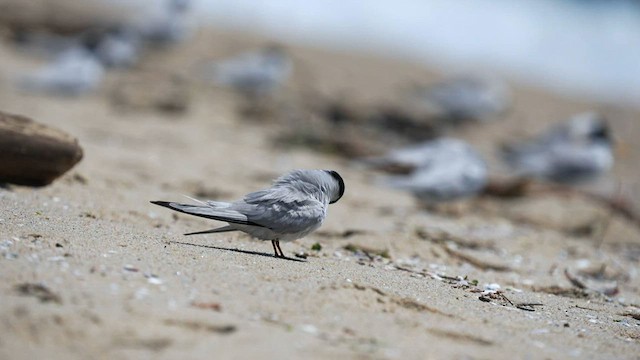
338	178
601	132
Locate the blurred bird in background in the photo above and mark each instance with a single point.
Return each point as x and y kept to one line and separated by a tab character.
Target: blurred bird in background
254	74
441	170
577	150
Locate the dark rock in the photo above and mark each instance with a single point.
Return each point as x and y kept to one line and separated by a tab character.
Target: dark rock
34	154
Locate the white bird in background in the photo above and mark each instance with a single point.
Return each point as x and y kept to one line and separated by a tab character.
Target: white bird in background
255	73
467	98
292	208
577	150
74	72
440	170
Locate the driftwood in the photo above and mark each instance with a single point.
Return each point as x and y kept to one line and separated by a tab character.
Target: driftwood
34	154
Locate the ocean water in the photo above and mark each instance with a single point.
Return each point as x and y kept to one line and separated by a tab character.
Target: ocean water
583	48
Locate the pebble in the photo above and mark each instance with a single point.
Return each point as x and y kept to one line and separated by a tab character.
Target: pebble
34	154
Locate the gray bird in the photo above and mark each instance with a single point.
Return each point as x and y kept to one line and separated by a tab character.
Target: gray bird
440	170
256	73
577	150
292	208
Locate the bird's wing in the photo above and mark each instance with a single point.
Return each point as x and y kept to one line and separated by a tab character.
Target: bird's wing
279	194
570	162
281	209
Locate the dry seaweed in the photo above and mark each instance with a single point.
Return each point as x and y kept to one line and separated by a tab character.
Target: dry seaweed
39	291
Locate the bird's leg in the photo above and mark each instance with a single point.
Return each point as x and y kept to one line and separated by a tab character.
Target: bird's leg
273	242
278	246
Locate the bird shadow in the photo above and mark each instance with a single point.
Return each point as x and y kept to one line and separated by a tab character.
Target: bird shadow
238	251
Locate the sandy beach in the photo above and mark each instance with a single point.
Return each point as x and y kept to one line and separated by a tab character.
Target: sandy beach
92	270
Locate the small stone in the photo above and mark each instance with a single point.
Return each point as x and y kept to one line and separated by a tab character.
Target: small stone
130	268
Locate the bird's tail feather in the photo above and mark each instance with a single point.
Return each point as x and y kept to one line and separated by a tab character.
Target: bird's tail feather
212	231
209	211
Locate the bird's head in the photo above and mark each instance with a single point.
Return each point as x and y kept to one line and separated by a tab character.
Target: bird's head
324	184
591	127
336	186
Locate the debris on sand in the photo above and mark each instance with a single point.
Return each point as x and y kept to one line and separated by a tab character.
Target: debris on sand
32	153
370	253
563	291
201	326
493	294
38	291
632	314
476	261
443	238
343	234
152	91
207	306
607	289
461	337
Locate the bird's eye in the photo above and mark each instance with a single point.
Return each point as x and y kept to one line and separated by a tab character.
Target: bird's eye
600	133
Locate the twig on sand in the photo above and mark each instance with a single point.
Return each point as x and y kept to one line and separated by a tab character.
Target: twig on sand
480	264
634	315
560	291
367	251
38	291
497	295
528	306
444	238
506	298
574	280
502	299
586	308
